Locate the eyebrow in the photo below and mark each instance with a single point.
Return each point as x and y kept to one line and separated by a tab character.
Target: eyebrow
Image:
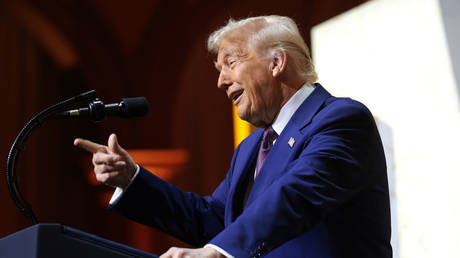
229	52
224	58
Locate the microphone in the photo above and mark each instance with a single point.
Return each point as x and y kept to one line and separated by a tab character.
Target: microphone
97	110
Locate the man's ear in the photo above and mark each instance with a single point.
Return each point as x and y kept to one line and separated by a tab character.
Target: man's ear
278	62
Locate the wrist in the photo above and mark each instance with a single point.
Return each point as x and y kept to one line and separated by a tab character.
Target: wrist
130	177
213	252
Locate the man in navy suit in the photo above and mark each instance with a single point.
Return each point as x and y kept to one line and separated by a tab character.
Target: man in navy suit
311	182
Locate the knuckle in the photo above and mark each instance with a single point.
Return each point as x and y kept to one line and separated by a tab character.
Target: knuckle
173	249
118	158
99	177
180	252
113	158
94	159
99	169
122	164
98	158
106	167
105	177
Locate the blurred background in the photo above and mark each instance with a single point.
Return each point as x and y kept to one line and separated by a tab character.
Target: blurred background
53	50
399	57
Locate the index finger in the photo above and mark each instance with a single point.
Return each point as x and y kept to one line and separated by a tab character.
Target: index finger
89	145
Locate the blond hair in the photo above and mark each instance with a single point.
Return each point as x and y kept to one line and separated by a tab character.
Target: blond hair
278	33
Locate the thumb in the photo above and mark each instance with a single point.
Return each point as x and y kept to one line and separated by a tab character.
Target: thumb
113	145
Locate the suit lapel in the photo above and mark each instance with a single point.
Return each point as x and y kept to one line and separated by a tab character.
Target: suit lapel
282	153
243	165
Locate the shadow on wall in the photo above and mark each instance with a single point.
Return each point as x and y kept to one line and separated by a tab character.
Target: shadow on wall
451	18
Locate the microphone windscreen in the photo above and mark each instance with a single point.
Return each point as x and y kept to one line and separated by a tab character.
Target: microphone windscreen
134	107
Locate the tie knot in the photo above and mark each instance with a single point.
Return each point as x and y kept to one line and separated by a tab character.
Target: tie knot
269	136
267	142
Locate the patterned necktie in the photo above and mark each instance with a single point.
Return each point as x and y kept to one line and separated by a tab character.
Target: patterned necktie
267	142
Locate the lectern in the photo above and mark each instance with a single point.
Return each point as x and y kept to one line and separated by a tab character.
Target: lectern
55	240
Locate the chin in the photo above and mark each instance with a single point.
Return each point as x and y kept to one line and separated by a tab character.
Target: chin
244	116
252	119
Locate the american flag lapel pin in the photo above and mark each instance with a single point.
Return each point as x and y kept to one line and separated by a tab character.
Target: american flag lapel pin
291	142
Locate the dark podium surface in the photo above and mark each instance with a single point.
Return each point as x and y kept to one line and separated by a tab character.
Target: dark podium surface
55	240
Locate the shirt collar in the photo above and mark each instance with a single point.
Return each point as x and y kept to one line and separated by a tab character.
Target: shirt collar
291	106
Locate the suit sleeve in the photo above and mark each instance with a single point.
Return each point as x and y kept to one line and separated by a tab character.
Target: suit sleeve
329	170
154	202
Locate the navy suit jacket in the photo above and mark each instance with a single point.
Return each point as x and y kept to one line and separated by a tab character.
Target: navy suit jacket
324	197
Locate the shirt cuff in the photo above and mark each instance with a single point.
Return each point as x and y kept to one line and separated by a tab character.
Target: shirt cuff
220	250
119	191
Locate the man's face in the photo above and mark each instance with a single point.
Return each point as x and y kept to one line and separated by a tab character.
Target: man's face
247	78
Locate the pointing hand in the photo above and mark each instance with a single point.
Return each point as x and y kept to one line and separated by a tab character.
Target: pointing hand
113	165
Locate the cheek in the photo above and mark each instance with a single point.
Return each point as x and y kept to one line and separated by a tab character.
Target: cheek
255	100
259	91
254	82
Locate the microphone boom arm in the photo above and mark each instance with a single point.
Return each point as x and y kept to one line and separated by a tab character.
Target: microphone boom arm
18	145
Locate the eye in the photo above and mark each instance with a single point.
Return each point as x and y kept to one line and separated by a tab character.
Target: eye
231	62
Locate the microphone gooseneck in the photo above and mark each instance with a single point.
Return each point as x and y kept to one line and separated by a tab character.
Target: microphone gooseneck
18	145
96	110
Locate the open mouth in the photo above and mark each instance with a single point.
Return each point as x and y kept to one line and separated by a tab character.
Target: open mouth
235	97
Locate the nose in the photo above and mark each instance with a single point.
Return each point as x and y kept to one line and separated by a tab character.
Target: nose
224	81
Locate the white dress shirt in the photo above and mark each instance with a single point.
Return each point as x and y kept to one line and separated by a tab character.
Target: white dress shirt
281	120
